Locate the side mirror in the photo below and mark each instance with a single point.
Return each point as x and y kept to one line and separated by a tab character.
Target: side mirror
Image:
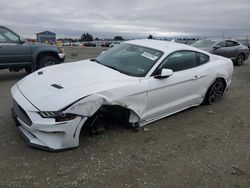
216	47
165	73
21	40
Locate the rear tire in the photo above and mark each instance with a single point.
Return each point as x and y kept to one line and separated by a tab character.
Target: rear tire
47	61
215	92
240	59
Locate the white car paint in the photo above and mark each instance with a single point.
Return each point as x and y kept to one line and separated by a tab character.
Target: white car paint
88	85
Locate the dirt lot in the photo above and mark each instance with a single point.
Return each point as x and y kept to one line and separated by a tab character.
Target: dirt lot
206	146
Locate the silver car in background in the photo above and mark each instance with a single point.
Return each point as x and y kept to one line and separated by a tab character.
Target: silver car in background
231	49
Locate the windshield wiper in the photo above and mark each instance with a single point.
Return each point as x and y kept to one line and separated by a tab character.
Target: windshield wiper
95	60
113	68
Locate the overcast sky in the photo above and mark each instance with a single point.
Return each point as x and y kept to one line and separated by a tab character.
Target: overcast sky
105	18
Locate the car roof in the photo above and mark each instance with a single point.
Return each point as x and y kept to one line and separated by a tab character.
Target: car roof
215	40
1	26
161	45
219	40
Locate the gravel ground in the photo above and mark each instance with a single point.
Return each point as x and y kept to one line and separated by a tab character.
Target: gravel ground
206	146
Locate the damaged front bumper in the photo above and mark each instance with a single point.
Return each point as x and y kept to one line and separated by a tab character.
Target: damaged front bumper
44	133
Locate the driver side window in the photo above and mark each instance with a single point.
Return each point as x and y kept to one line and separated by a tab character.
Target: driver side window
179	61
7	36
222	44
2	39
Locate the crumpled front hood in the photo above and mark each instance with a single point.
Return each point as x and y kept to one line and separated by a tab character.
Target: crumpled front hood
72	81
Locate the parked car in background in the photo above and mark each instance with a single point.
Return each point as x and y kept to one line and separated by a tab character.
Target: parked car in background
89	44
245	42
17	54
106	44
134	83
114	44
66	44
231	49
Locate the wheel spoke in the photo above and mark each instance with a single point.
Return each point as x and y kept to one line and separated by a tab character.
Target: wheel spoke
241	59
216	92
220	88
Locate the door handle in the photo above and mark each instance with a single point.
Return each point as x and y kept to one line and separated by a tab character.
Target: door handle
196	77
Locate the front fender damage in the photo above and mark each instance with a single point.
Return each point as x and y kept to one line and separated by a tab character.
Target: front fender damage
88	106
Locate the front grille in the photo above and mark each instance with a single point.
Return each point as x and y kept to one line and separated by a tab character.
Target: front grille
21	114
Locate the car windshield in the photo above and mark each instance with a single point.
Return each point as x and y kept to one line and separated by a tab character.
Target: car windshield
7	36
203	43
130	59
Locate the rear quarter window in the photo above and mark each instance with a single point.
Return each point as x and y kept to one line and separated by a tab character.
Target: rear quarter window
230	43
202	59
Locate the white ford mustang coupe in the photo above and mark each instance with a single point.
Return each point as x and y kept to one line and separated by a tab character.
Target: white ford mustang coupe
136	82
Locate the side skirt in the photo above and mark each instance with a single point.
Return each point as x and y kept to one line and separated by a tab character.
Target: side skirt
145	122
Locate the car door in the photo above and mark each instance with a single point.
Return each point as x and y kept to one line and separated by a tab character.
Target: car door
12	51
220	49
179	91
232	47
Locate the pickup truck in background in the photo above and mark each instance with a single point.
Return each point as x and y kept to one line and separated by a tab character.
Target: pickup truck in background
17	54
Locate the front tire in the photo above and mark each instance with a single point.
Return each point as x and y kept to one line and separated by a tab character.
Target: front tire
28	69
240	59
47	61
215	92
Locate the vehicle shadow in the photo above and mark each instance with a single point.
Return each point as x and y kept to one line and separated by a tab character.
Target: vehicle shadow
10	76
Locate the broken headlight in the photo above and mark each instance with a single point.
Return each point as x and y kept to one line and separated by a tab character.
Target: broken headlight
48	114
58	116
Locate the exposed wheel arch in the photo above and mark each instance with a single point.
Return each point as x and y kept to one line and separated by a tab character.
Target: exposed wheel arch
108	115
